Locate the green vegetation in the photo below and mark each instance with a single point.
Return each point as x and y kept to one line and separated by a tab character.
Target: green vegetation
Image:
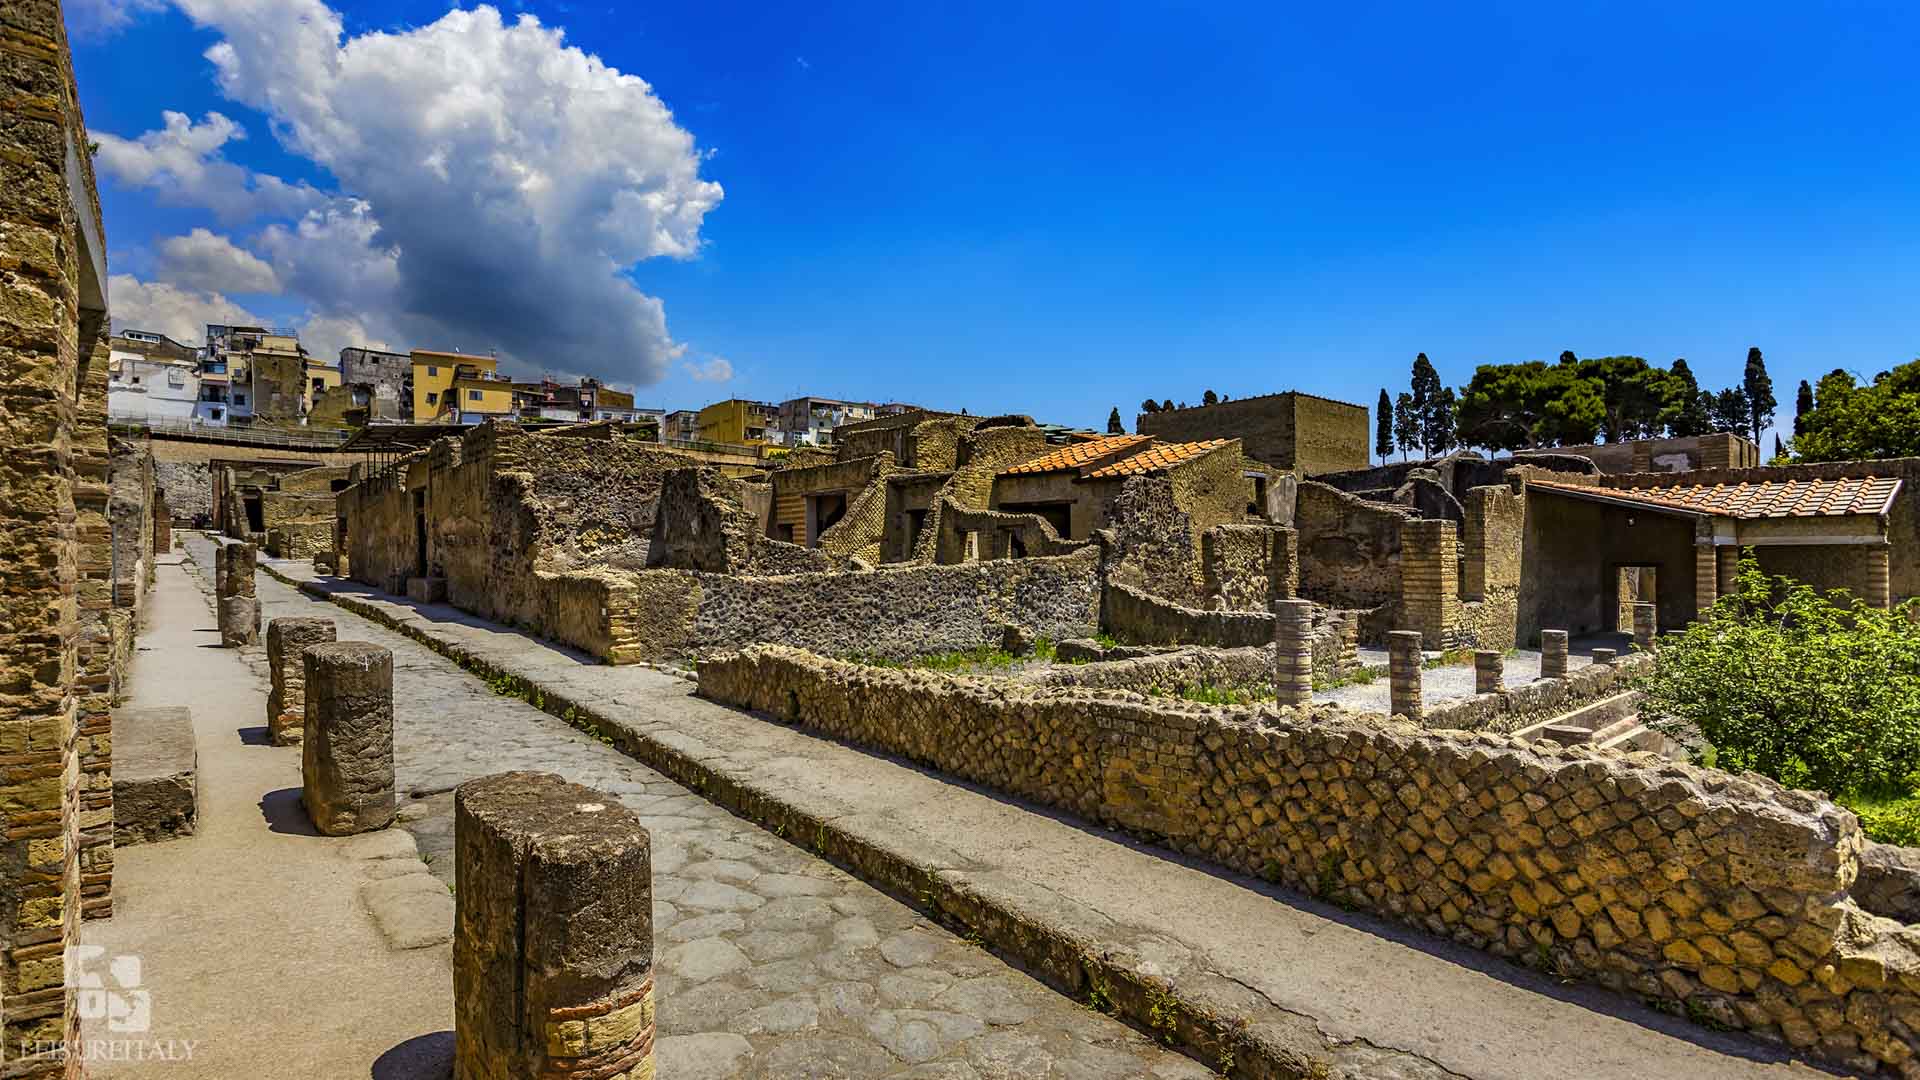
1841	420
1359	675
1572	402
1815	691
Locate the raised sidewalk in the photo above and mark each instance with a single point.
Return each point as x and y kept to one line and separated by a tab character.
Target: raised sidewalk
1243	975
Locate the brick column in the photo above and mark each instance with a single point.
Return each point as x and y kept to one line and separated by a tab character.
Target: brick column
1727	560
1706	579
287	642
346	752
1645	625
1489	670
1430	579
1553	654
1293	652
1880	576
553	940
1349	642
1403	671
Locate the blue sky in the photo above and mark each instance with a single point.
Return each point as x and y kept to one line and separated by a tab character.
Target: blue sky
1054	209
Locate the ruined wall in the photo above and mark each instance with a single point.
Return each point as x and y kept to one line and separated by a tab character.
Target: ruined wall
1516	707
703	524
1248	567
1136	617
279	385
1684	454
1724	896
189	490
1492	539
1349	547
53	354
902	611
1172	673
1149	543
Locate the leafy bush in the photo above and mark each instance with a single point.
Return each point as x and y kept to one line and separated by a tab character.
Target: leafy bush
1894	820
1814	691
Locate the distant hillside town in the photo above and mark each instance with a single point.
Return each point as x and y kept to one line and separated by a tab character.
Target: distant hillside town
261	377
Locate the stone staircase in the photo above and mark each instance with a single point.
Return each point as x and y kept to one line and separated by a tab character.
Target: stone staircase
1610	723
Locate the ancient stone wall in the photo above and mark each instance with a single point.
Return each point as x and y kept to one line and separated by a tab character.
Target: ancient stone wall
703	524
1492	537
1349	547
1149	541
996	535
1248	567
1516	707
1135	616
902	611
1725	896
1291	431
53	356
189	490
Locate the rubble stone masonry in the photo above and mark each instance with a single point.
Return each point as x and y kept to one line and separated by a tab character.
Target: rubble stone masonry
1725	896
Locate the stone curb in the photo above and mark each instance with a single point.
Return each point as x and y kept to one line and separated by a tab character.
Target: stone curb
1217	1021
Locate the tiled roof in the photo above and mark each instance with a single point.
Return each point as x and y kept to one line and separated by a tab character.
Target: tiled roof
1764	499
1076	456
1157	457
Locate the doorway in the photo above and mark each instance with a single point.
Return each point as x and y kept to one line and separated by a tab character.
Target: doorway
1638	584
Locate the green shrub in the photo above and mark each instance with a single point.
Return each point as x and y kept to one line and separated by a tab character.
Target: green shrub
1814	691
1893	819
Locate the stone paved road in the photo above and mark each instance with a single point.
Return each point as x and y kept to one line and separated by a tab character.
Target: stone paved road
772	964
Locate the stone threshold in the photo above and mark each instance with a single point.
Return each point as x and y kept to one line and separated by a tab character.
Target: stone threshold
1225	1022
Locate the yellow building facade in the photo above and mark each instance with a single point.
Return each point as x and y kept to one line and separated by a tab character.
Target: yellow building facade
434	375
737	421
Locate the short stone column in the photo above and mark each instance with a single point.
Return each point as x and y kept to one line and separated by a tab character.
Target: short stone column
234	569
1293	652
1605	656
346	752
1403	672
1489	671
553	939
287	641
1645	625
238	620
1553	654
1880	576
1349	642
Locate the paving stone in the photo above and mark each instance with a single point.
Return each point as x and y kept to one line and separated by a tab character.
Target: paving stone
993	1000
771	962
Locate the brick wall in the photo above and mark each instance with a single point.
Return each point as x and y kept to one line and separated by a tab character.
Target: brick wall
1349	547
1289	431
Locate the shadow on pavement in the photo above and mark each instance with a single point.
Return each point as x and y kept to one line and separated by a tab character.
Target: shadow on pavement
284	813
423	1057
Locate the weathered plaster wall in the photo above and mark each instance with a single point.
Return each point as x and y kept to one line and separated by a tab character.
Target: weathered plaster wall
1572	551
1724	896
189	490
1248	567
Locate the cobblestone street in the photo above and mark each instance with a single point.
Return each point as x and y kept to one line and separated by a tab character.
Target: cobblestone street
772	963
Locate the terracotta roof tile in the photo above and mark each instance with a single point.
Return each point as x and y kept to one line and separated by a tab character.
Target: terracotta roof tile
1156	458
1075	456
1763	499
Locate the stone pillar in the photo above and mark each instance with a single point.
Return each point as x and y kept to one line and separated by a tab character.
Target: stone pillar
1645	625
553	940
1293	652
1553	654
1489	671
235	571
1430	579
1880	576
287	642
1605	656
1403	670
346	752
1706	579
1349	642
239	621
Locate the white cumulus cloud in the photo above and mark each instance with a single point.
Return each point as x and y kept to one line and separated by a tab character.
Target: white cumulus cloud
184	165
102	18
497	183
180	313
712	369
211	262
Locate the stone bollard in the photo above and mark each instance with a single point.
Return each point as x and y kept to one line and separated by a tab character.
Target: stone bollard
1403	673
287	641
239	620
1605	656
1293	652
1645	625
1489	671
346	753
235	572
553	939
1553	654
